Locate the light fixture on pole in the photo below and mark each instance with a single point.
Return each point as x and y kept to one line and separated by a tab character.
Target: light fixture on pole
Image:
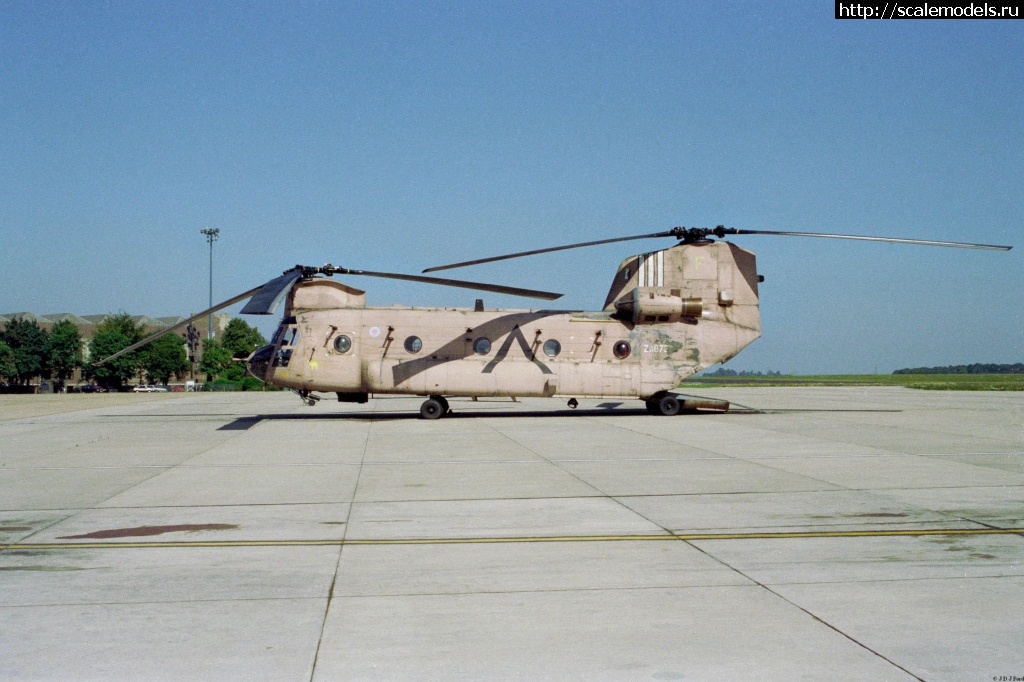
211	237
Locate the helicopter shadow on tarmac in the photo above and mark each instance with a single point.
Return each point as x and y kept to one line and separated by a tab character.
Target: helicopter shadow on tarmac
245	423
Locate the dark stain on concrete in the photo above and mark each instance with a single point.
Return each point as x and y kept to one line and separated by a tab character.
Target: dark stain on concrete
14	529
877	515
147	531
22	552
41	568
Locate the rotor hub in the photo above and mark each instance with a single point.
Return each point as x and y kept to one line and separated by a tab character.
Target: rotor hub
700	235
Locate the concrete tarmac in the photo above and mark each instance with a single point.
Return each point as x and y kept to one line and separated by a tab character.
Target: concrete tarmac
814	534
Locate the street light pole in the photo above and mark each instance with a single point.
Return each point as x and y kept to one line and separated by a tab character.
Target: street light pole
211	237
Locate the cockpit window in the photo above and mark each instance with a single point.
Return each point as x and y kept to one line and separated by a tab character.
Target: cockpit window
286	325
289	337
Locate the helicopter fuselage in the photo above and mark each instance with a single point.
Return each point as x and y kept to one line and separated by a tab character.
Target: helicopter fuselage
668	315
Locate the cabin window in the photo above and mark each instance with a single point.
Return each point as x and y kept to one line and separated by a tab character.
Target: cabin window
482	346
621	349
413	344
552	348
342	344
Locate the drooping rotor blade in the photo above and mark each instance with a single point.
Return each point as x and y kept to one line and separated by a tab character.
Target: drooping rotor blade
534	252
271	294
462	284
268	296
894	240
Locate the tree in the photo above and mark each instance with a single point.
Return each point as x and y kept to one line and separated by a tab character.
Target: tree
8	369
163	357
240	339
216	359
29	344
113	334
65	350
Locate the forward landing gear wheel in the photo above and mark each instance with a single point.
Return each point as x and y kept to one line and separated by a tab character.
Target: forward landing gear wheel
444	402
666	404
432	408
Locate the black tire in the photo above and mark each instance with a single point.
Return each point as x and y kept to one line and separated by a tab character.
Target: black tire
668	405
652	406
444	403
432	409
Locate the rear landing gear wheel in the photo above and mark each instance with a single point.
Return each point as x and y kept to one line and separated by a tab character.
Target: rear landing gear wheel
668	405
444	402
664	403
432	408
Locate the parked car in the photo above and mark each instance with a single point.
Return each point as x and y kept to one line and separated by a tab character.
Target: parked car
147	388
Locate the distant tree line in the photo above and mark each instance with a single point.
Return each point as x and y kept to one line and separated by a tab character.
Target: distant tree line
977	368
222	360
28	351
723	372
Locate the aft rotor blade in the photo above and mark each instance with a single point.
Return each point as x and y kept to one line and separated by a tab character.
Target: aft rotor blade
534	252
197	316
894	240
695	234
462	284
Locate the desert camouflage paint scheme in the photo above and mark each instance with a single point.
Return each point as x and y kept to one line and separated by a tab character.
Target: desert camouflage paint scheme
668	314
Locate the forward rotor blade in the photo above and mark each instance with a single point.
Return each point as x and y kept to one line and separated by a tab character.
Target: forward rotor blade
209	311
534	252
270	295
462	284
894	240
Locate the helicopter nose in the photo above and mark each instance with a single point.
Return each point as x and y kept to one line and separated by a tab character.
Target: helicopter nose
258	363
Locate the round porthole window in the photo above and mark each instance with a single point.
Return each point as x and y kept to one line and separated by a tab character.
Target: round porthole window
482	346
552	348
342	344
621	349
413	344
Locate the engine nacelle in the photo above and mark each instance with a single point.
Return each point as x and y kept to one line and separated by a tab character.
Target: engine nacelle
647	305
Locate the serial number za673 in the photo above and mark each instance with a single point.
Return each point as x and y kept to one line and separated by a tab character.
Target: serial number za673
655	348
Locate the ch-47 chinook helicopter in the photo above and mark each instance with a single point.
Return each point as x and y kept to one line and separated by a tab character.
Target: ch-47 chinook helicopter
668	314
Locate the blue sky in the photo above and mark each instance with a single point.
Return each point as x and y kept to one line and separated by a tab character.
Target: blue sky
395	136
